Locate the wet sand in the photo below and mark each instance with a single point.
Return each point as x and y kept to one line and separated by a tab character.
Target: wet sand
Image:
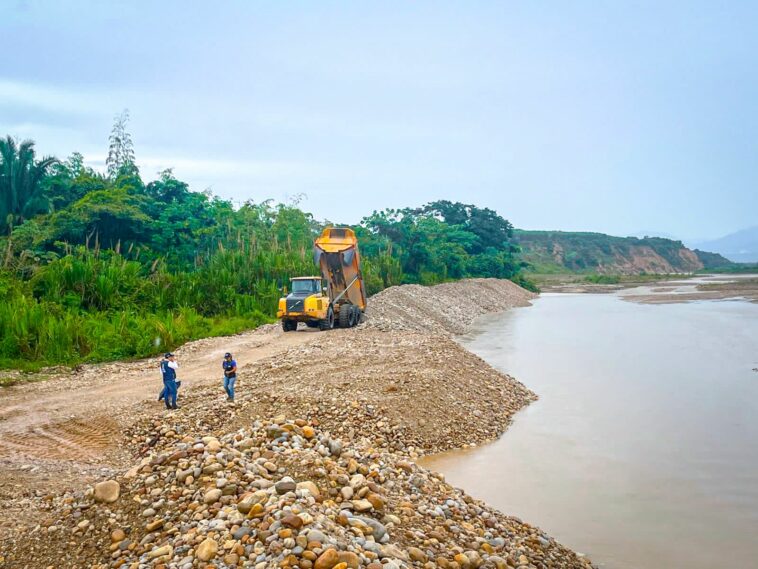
710	287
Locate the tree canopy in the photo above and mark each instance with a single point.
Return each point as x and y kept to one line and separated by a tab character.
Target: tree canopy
22	192
445	240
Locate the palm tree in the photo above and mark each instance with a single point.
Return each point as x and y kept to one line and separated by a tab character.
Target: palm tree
21	193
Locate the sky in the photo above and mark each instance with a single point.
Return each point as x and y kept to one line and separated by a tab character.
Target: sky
618	117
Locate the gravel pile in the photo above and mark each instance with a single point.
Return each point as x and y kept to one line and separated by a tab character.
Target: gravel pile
445	308
241	485
279	493
399	391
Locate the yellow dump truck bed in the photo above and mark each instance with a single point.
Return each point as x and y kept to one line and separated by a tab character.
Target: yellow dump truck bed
336	253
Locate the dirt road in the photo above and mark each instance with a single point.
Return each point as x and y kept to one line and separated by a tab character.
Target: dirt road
75	417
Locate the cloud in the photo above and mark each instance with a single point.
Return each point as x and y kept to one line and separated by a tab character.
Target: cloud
209	167
54	99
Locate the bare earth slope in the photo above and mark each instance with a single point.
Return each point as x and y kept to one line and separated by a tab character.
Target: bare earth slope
323	430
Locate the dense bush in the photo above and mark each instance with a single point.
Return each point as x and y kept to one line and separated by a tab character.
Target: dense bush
603	279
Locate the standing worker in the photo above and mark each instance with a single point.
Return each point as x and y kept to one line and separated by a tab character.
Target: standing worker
170	387
230	375
175	366
162	394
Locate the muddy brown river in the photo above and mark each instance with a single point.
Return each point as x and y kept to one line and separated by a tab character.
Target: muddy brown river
642	451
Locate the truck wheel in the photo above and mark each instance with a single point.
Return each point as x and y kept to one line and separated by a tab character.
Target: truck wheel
346	316
289	325
328	322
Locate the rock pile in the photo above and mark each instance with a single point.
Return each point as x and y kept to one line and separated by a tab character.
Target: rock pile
445	308
402	389
282	493
405	392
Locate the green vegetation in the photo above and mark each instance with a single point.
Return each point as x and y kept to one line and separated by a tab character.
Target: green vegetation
95	266
550	280
556	252
21	177
603	279
439	242
715	263
735	268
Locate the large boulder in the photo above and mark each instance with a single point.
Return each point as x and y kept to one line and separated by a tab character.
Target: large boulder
207	550
107	492
327	559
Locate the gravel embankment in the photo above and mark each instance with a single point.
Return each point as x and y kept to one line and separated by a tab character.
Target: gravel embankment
313	466
445	308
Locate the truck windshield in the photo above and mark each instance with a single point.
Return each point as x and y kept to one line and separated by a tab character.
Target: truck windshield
310	286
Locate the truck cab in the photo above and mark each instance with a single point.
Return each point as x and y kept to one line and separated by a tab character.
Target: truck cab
306	302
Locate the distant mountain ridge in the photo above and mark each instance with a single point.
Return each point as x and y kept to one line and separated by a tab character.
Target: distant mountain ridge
568	251
740	246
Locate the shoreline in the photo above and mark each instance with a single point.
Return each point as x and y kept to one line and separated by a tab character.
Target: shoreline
344	415
523	472
671	289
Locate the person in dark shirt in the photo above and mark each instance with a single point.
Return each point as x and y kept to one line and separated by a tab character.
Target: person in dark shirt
162	395
170	385
230	375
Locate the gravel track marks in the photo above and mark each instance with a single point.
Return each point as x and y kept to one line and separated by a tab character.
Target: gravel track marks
77	417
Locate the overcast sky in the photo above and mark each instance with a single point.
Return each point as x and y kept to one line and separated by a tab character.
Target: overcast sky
617	117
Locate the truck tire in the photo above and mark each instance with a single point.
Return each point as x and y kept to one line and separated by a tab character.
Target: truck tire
346	316
289	325
355	316
328	322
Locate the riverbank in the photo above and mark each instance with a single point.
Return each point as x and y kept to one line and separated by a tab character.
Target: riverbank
707	287
659	289
313	466
599	284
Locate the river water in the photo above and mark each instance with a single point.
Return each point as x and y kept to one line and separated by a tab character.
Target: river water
642	451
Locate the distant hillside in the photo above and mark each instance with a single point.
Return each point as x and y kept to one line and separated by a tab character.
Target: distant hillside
740	247
562	251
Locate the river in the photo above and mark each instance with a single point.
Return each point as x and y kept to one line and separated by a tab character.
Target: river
642	451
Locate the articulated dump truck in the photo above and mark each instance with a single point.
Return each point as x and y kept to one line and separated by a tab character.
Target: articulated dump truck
338	296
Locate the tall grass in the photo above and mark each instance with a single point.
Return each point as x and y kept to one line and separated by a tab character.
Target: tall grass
38	331
98	306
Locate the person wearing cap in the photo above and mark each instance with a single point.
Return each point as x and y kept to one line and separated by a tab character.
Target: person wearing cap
230	375
170	385
175	365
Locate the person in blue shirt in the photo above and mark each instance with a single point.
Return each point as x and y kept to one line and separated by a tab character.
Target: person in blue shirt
175	365
230	375
162	395
170	385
